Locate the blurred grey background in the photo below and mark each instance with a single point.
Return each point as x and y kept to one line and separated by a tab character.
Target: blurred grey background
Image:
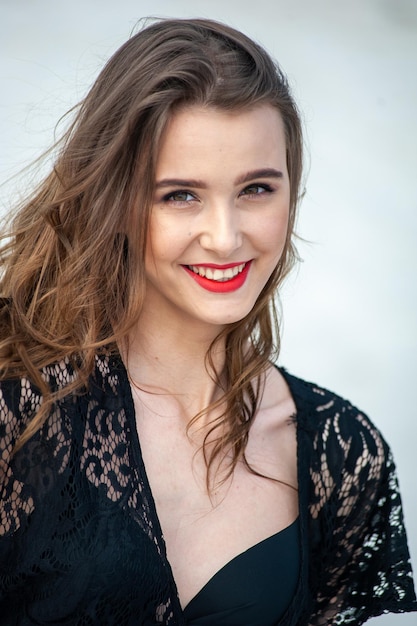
349	312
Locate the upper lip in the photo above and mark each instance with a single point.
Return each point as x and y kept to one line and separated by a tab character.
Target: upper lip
215	266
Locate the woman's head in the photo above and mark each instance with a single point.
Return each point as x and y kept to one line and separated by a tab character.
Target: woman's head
111	153
219	218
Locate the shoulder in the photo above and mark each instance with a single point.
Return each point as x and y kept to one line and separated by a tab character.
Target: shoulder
19	402
317	405
339	435
309	396
346	465
21	398
75	420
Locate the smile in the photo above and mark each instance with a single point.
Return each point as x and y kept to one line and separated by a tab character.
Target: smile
219	275
217	279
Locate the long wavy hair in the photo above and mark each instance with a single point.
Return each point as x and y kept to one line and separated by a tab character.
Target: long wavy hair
72	284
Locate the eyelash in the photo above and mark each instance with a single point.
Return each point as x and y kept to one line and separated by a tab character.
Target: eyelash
264	187
169	197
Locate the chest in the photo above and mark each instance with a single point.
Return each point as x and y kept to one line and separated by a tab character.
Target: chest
204	531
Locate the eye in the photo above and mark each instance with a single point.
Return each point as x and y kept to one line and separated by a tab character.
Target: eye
256	189
179	196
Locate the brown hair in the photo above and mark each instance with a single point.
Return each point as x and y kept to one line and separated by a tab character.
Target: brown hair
68	235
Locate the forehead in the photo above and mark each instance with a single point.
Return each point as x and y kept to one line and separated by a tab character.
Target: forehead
196	135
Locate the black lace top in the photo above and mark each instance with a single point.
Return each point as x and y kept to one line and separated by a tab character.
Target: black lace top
81	544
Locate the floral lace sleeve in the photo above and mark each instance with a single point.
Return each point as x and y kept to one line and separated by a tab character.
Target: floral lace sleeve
79	541
360	565
16	501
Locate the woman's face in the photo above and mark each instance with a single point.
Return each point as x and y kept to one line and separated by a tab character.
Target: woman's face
220	214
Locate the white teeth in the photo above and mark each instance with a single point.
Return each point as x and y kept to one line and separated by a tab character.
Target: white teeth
216	274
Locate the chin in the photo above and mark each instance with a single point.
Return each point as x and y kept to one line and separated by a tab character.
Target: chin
228	319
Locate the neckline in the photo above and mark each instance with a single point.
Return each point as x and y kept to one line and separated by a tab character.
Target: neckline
136	452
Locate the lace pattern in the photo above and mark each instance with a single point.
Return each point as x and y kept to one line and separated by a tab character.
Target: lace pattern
71	501
359	560
80	541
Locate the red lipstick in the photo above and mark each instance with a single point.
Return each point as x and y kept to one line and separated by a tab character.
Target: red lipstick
220	286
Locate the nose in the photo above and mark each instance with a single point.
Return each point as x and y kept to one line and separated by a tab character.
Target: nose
221	231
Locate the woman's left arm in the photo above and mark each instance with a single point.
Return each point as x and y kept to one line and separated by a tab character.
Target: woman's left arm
360	563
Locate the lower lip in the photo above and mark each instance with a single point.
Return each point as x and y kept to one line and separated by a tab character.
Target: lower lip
225	286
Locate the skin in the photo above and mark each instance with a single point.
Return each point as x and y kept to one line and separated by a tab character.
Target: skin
217	219
233	209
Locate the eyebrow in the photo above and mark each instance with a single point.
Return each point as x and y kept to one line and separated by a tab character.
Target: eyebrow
267	172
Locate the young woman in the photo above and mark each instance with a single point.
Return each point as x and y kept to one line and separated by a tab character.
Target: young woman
155	466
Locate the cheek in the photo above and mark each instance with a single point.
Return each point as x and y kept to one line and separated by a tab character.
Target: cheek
158	239
167	239
272	233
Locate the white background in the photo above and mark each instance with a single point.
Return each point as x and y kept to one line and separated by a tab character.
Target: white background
350	310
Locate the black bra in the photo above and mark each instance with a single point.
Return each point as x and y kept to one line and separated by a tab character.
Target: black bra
253	589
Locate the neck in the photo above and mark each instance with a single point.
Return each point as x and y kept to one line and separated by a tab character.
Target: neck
171	362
